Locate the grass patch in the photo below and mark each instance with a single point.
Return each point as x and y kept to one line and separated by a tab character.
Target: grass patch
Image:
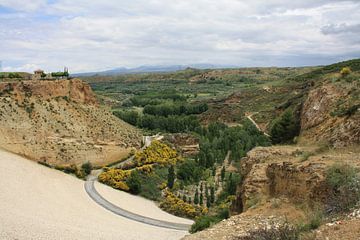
343	182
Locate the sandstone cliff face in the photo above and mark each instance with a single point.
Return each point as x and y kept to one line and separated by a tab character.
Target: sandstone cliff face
60	122
272	172
320	118
74	90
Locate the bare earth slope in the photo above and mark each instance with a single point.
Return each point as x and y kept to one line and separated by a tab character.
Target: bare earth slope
60	122
47	204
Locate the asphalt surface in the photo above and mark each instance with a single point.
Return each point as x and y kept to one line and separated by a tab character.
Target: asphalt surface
94	194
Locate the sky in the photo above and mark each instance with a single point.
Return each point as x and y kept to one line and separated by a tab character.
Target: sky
94	35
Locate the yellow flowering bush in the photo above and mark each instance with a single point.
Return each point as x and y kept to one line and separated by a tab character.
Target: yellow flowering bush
157	152
345	71
115	178
178	207
145	168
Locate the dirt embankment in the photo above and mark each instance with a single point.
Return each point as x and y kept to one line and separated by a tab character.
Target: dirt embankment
60	122
74	90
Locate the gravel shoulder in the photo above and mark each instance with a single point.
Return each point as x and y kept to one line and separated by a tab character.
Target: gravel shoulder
39	203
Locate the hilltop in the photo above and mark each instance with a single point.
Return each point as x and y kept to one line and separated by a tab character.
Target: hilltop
60	122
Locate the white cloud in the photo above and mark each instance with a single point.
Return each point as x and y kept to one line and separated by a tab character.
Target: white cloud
102	34
23	5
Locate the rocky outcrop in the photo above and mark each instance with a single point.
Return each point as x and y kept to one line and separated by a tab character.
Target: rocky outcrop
292	172
60	122
296	181
318	106
74	90
325	116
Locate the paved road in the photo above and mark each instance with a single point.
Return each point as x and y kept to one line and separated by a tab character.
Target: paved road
91	191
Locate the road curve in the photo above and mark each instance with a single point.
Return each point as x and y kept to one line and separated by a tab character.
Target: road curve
94	195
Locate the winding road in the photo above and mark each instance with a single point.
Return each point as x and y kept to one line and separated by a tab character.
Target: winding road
94	195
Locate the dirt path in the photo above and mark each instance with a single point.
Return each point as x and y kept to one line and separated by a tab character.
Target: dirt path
249	116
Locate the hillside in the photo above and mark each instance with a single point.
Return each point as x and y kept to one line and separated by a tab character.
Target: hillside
311	116
60	122
293	183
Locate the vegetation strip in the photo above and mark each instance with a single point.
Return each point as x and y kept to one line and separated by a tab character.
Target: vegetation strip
91	191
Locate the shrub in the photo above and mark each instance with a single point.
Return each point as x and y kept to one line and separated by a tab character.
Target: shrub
148	168
315	220
157	152
134	182
150	188
152	183
345	71
71	169
204	222
178	207
344	184
115	178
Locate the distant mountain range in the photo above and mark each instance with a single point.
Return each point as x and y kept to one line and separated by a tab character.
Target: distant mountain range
150	69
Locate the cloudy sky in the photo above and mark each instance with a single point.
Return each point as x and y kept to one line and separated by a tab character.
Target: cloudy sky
91	35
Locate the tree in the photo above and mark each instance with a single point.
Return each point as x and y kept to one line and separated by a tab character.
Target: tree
196	197
171	177
231	184
285	128
223	173
134	182
184	198
87	167
212	194
201	199
208	203
214	171
189	171
201	188
189	200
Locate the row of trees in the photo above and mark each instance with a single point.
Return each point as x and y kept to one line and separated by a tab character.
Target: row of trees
218	139
175	109
155	98
10	75
171	123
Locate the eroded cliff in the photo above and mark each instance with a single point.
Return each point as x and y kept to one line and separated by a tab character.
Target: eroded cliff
60	122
